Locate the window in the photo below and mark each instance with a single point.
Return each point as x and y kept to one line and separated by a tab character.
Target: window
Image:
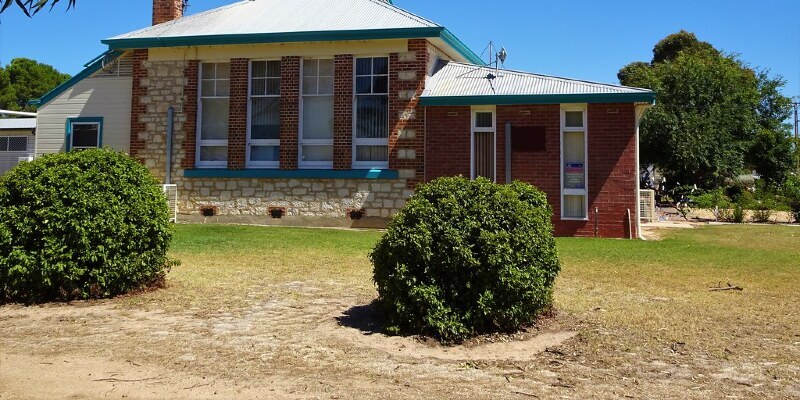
483	144
264	129
13	143
212	145
574	200
84	133
371	141
316	132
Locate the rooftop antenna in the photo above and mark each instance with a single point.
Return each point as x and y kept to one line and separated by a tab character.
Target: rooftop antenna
497	60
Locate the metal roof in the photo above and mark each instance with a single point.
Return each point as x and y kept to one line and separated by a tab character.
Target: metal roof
285	16
457	84
17	123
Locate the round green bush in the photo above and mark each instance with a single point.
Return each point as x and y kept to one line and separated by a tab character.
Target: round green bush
78	225
791	193
464	258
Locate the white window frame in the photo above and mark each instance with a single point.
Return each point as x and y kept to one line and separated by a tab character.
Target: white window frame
371	142
213	142
585	129
314	142
258	142
476	129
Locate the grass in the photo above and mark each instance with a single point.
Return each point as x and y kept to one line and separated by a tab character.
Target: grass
257	306
653	296
656	290
634	296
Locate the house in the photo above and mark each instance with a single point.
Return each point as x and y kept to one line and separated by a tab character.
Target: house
331	112
17	138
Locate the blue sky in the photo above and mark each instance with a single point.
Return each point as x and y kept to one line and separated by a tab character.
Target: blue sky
585	39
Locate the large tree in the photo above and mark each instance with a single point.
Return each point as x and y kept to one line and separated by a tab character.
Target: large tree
31	7
24	79
715	117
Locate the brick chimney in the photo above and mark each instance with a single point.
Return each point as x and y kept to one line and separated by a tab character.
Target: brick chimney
167	10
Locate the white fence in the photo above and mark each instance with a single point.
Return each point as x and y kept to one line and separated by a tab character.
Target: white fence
647	205
171	192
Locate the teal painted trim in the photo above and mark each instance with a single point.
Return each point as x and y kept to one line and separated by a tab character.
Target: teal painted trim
68	129
290	37
316	36
539	99
452	41
292	174
91	67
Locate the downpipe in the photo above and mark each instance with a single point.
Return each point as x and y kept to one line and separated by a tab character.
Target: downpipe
639	111
170	128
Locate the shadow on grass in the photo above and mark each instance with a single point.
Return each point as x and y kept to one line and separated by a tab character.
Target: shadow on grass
366	318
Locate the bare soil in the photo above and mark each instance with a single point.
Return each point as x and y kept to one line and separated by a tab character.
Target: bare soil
627	326
302	344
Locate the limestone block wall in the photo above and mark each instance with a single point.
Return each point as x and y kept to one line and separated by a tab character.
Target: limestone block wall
300	197
157	86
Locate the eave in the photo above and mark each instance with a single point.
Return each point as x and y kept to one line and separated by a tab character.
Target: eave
647	97
292	37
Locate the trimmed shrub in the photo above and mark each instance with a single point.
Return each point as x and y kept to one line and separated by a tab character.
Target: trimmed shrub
78	225
791	195
713	199
467	257
738	214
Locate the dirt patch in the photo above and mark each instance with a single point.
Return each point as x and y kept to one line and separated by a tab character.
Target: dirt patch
361	326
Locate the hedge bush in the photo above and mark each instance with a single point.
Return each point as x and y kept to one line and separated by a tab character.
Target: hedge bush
78	225
791	193
467	257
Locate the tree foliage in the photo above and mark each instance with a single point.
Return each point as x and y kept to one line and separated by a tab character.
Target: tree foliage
715	117
24	79
31	7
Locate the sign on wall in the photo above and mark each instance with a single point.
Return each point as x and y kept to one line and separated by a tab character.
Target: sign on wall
574	176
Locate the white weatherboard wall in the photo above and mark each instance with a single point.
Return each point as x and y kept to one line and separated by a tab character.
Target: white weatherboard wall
109	98
9	159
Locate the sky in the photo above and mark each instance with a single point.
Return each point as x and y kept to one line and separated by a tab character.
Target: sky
583	39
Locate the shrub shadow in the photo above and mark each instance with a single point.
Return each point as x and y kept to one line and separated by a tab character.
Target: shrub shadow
366	318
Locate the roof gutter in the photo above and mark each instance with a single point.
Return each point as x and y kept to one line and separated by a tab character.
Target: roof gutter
293	37
479	100
17	113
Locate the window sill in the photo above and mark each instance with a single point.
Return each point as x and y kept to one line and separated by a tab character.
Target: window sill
575	219
292	173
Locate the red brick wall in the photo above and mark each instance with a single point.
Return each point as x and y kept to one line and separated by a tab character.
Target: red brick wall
166	10
191	74
137	107
237	120
290	111
404	112
447	145
343	112
611	159
612	168
541	169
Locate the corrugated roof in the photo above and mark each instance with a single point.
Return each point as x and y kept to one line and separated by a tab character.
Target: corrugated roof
17	123
458	79
250	17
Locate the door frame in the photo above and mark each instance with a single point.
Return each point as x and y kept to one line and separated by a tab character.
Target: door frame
473	129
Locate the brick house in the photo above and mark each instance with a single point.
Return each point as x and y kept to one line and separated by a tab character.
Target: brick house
331	112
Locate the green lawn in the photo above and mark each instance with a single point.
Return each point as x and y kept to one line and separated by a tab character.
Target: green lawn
255	309
628	297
